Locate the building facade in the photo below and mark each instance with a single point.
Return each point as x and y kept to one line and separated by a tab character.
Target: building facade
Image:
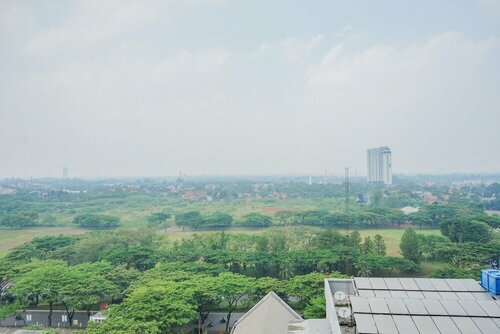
379	165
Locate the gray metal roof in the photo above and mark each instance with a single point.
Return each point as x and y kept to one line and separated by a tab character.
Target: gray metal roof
417	284
414	315
415	306
423	305
380	323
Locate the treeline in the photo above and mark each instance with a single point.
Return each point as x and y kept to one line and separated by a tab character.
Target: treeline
21	220
158	285
281	254
466	256
429	216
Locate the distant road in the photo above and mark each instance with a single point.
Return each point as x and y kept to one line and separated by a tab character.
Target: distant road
39	317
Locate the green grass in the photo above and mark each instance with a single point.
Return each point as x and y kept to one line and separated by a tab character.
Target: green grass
392	237
493	212
12	238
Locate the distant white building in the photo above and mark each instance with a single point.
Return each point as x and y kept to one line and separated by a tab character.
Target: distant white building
379	165
408	210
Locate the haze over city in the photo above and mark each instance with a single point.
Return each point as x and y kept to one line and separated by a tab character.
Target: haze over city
257	87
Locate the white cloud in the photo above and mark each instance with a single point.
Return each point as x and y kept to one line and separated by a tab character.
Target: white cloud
296	50
106	90
442	56
492	7
425	100
291	49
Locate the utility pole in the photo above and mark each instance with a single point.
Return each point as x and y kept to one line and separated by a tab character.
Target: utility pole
347	210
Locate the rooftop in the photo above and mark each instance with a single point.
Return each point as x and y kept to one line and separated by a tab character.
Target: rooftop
410	305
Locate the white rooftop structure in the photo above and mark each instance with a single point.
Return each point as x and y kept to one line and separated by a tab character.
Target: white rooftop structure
408	210
271	315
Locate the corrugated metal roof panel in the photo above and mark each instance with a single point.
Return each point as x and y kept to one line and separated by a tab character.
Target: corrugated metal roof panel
440	284
415	294
456	284
396	306
405	324
382	293
448	295
425	325
471	285
465	296
378	306
466	325
378	283
408	283
434	307
472	308
431	294
365	324
486	325
366	293
415	306
399	294
490	307
360	305
446	325
393	283
425	284
362	283
453	307
385	324
482	296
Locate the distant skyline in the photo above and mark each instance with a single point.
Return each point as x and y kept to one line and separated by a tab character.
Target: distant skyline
214	87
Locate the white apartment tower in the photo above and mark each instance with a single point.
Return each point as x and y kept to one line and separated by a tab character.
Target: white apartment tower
380	165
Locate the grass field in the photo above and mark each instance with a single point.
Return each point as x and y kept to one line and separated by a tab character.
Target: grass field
493	212
392	237
13	238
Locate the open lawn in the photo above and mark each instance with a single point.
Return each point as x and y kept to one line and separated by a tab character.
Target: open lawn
392	237
493	212
13	238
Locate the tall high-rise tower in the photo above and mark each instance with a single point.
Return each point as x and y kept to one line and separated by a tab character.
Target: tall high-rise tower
65	173
380	165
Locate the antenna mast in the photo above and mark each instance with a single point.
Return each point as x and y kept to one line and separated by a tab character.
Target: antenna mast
347	211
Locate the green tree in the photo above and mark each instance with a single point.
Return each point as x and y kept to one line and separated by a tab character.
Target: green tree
96	221
466	231
205	295
44	280
154	308
410	246
379	245
256	220
368	246
233	288
316	308
83	286
19	220
192	219
159	219
218	219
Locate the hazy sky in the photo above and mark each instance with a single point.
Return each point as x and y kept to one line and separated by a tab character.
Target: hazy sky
149	88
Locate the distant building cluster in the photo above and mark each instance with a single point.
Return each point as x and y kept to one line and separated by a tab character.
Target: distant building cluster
379	165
